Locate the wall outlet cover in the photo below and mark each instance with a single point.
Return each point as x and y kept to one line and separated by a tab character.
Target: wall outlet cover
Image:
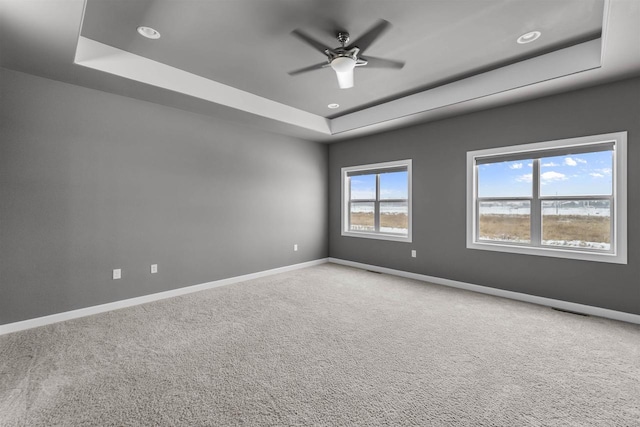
117	274
154	268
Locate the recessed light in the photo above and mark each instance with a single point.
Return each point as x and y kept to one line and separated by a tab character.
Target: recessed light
149	33
333	106
529	37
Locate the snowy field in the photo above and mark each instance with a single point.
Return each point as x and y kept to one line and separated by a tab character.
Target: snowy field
399	231
577	211
558	243
388	208
496	210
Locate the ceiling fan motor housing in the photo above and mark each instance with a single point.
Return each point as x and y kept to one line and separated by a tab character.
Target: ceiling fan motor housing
343	38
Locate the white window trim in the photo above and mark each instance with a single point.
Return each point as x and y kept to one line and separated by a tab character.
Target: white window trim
618	255
344	202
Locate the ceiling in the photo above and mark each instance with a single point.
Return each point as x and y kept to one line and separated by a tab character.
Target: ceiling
247	44
231	58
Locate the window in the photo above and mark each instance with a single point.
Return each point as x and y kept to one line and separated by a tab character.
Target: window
563	198
376	201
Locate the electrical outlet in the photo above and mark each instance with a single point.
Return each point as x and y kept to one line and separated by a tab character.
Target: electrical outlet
413	253
154	268
295	247
117	274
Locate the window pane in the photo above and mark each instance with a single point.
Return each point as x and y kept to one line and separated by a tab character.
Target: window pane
505	221
505	179
361	216
577	175
394	217
394	185
363	187
577	223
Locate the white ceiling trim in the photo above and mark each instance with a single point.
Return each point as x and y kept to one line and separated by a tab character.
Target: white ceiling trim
99	56
564	62
571	60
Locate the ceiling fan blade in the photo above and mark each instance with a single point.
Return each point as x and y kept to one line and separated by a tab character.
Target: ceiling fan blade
345	79
309	68
374	62
321	47
365	40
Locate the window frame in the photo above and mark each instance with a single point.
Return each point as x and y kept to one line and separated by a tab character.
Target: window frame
345	200
618	199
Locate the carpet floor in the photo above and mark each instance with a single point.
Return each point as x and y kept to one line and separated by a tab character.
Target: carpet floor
327	345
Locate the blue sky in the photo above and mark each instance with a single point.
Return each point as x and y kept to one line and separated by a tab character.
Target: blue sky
392	186
576	175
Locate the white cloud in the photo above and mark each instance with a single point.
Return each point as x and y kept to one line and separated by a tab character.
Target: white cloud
525	178
530	164
549	165
573	161
553	176
604	171
596	175
515	166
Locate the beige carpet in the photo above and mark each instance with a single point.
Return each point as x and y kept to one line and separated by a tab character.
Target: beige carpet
327	345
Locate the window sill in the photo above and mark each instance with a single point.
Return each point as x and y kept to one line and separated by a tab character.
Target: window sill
551	252
378	236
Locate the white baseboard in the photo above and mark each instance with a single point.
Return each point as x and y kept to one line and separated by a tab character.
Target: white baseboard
88	311
563	305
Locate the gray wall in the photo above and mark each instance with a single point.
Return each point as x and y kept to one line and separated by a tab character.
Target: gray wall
438	151
91	181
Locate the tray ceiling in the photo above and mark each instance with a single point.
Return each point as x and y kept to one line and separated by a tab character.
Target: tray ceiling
230	59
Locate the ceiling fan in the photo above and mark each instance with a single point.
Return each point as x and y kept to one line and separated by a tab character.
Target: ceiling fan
345	58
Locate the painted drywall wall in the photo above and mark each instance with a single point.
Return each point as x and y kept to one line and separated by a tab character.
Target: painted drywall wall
439	150
91	181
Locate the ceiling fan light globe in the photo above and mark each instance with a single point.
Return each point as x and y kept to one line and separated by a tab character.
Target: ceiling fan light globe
343	64
345	79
